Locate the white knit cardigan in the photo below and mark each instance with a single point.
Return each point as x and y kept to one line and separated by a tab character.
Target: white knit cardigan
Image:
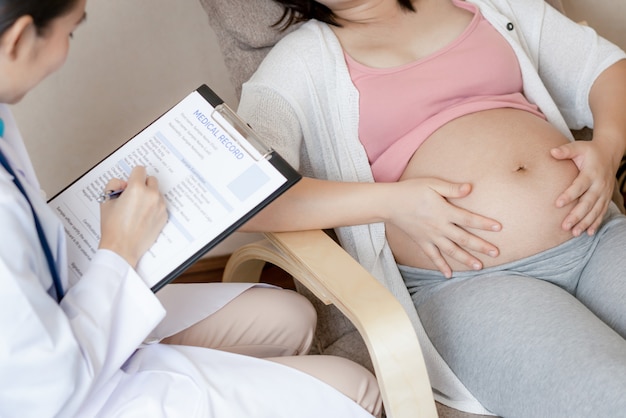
303	103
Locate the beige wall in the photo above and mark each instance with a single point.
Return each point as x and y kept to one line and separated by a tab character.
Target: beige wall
608	17
130	61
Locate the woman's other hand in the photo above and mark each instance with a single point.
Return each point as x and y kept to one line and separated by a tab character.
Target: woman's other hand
131	223
593	187
599	158
439	227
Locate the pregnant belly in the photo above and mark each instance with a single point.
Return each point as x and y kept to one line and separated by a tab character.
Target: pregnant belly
505	155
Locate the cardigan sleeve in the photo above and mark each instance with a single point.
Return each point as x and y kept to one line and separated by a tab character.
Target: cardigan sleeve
570	58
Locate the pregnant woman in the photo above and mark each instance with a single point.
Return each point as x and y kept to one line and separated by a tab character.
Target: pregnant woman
435	137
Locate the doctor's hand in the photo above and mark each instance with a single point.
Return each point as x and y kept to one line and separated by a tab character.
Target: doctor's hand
131	223
438	227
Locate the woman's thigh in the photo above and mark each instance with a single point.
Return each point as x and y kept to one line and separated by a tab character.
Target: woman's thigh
527	348
602	285
261	322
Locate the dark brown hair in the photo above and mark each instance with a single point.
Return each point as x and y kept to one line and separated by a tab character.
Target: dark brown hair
297	11
42	11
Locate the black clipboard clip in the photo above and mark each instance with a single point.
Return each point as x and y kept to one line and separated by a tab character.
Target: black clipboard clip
241	129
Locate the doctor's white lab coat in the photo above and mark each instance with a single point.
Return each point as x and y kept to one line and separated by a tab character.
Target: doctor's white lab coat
87	357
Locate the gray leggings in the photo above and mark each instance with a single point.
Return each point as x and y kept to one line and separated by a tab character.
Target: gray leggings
540	337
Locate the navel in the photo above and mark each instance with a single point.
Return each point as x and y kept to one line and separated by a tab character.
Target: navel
521	168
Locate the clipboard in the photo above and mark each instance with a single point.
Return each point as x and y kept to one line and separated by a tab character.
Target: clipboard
216	174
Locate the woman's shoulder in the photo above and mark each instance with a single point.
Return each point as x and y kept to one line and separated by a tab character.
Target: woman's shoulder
522	9
312	39
307	49
511	3
307	32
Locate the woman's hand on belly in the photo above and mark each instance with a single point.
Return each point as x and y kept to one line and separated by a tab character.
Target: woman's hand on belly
438	227
505	155
593	187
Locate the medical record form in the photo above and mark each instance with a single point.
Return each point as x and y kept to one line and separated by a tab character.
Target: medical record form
213	171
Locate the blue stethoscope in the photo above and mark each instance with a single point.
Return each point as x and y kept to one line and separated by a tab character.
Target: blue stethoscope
42	236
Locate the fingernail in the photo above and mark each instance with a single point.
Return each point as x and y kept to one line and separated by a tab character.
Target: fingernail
493	253
476	266
495	228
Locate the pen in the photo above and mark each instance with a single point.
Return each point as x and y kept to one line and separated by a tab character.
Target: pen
108	195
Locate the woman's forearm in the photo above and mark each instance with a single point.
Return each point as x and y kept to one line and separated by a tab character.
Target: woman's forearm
320	204
607	100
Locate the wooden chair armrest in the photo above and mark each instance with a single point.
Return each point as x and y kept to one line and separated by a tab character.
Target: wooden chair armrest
321	265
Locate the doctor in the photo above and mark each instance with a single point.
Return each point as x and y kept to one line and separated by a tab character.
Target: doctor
104	346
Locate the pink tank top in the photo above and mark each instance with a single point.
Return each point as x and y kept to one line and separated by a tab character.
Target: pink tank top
401	107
